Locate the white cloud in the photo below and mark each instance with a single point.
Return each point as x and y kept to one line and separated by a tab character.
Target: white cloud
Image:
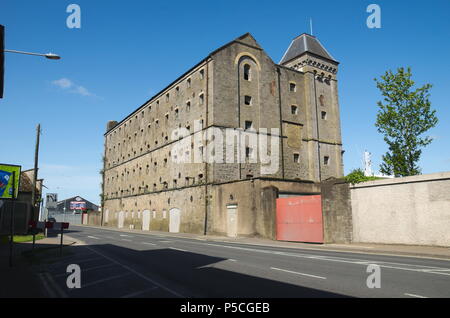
63	83
67	84
83	91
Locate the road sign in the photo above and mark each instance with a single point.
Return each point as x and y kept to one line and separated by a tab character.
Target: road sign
52	199
7	188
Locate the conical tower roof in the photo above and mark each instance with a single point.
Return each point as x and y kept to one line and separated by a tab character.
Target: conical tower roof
305	43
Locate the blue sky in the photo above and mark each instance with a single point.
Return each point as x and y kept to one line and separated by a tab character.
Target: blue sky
126	51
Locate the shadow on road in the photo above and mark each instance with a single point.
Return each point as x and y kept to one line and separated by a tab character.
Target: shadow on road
109	270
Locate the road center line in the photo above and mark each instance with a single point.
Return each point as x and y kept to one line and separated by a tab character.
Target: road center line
147	243
297	273
177	249
93	237
342	260
416	296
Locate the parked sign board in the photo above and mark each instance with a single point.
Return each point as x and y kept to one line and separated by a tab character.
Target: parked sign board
6	179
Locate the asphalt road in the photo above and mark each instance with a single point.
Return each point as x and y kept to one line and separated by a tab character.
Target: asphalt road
120	264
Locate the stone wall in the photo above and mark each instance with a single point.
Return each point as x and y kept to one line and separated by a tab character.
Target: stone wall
336	211
410	210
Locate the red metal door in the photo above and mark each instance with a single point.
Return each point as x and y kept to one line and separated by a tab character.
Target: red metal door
299	219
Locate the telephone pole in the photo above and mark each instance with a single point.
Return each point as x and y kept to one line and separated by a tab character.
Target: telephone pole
36	160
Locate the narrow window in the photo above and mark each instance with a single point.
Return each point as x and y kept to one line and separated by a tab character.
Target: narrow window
294	110
167	97
326	160
296	158
188	83
201	99
292	87
248	152
248	124
202	74
247	72
188	105
248	100
324	115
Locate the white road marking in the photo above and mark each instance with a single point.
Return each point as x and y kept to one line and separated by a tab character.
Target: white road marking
232	260
165	241
125	235
48	282
87	260
297	273
126	240
416	296
432	270
147	243
139	292
105	280
88	269
177	249
93	237
137	273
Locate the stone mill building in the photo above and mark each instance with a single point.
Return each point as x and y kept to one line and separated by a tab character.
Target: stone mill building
291	107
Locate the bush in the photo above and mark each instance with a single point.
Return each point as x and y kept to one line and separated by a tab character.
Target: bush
357	176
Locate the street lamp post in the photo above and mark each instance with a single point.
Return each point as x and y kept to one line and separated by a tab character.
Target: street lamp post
50	56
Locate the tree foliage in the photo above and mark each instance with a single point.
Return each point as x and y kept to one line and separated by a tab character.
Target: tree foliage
403	117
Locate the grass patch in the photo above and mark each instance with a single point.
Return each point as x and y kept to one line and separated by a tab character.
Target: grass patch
27	238
4	239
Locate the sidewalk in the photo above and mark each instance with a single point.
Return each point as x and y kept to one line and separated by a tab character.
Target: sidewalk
21	280
364	248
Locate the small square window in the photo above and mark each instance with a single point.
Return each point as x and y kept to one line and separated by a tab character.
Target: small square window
248	124
294	110
248	100
324	115
292	87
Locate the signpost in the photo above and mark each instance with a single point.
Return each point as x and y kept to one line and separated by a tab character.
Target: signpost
9	190
49	225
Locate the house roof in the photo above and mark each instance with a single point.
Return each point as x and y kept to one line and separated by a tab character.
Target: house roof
305	43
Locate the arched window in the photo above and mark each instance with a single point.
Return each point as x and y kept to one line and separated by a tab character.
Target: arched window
247	72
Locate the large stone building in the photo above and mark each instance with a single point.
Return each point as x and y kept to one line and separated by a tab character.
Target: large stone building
291	107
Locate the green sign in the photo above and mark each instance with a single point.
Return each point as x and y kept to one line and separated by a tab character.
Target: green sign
7	188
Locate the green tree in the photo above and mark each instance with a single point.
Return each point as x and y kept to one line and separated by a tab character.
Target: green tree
403	118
